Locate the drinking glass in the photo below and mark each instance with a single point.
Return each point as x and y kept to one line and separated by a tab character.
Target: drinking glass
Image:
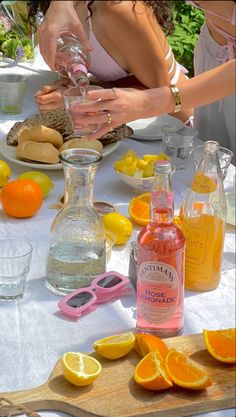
177	143
72	97
225	158
12	92
15	259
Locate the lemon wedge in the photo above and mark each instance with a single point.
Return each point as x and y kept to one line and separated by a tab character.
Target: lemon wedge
80	369
116	346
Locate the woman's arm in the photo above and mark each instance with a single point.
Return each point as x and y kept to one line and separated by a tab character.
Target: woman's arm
127	105
60	17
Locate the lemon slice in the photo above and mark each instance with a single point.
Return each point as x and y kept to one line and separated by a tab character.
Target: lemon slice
80	369
116	346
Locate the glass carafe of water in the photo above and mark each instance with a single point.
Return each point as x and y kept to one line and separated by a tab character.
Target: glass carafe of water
77	251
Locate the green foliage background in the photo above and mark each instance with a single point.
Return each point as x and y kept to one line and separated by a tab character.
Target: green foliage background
188	21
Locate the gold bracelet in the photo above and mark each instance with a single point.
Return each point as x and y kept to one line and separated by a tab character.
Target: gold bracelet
176	94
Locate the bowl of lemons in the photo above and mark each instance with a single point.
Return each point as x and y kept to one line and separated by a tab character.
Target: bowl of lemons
136	172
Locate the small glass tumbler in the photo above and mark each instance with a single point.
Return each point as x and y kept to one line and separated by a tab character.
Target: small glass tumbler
225	158
15	259
72	97
177	143
12	92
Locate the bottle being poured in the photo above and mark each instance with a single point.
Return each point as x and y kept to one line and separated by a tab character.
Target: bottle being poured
72	60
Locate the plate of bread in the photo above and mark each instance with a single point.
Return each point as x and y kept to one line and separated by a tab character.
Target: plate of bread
37	142
43	153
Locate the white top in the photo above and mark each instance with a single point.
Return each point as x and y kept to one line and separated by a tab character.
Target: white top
33	336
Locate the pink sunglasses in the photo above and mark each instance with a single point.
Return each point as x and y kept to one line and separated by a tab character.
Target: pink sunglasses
103	288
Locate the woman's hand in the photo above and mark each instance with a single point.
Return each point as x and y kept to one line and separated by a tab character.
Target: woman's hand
51	96
60	17
123	105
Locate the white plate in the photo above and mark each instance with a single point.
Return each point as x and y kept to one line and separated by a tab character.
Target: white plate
9	152
151	129
231	213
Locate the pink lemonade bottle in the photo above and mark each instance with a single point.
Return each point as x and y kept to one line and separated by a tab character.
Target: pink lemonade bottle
161	263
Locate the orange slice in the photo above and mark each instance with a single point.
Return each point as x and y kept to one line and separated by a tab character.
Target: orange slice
184	372
221	344
151	374
139	209
145	343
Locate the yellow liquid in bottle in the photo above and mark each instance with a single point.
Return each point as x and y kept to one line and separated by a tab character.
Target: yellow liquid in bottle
204	247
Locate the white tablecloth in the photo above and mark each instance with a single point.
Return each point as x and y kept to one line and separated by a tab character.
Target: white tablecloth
32	335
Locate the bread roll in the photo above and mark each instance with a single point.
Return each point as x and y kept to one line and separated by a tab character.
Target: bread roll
41	133
37	151
95	145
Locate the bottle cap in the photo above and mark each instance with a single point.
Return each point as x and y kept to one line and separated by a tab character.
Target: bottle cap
211	146
162	167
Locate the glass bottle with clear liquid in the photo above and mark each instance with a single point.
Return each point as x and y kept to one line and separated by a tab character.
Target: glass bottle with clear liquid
203	215
77	252
160	263
72	60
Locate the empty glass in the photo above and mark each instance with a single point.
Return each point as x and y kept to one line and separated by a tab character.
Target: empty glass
15	259
72	97
177	143
225	158
12	92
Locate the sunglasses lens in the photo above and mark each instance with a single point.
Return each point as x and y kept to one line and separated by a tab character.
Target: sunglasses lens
109	281
79	300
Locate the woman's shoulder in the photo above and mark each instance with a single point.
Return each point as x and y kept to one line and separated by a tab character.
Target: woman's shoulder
121	10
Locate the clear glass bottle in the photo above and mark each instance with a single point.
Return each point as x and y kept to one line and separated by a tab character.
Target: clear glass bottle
160	263
77	251
72	60
203	215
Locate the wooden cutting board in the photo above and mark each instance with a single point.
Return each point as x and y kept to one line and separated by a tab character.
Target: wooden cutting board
115	393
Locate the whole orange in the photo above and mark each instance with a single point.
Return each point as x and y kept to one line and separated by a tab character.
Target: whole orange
21	198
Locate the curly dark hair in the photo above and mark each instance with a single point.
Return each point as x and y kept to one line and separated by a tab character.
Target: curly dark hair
161	8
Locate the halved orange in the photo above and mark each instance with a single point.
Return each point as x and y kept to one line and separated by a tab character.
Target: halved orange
145	343
184	372
139	209
221	344
151	374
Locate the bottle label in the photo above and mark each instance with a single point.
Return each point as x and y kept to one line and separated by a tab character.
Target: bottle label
78	68
162	199
157	292
203	184
196	241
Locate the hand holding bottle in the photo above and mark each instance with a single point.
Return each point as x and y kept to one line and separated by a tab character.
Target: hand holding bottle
51	28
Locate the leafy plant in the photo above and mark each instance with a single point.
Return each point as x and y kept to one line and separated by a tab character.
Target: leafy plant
15	36
188	21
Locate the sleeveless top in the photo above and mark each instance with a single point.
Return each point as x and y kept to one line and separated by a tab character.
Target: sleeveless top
105	68
231	39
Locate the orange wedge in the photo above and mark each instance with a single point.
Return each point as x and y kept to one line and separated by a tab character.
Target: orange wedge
184	372
221	344
139	209
151	374
145	343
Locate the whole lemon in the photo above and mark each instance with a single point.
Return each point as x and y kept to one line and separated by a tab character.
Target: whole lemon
5	173
119	226
42	180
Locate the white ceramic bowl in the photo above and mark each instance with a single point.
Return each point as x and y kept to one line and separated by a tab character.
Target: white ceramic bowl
138	185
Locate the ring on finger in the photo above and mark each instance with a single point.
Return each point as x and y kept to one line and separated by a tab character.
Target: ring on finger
109	118
114	92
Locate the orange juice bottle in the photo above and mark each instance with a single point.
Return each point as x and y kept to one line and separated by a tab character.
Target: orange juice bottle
203	216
